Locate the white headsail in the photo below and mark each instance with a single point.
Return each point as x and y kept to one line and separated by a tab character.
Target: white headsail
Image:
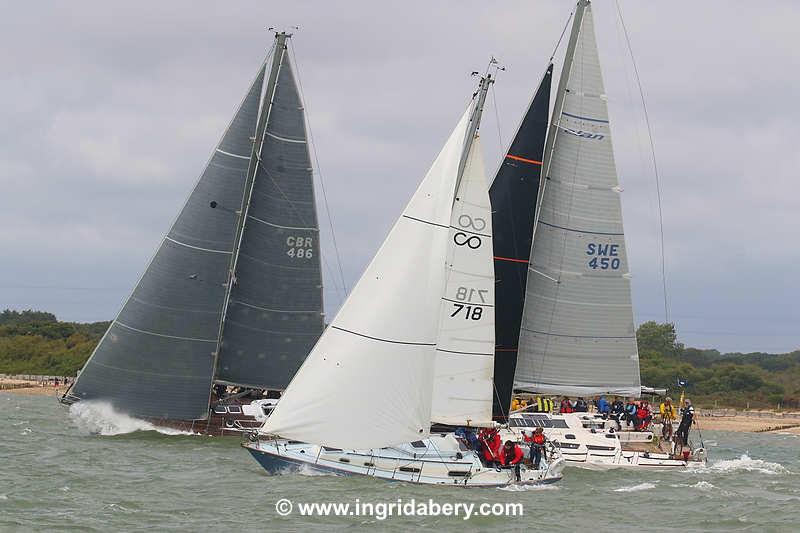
577	333
462	391
368	382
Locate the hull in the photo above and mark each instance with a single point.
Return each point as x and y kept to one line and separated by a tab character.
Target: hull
585	442
439	460
231	419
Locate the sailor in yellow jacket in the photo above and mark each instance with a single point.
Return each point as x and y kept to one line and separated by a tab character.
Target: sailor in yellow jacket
668	415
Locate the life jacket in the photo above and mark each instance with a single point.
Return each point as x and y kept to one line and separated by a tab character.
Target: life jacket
544	405
491	443
538	438
667	412
566	407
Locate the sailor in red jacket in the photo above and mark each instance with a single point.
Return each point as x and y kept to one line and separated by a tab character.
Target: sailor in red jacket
511	456
490	445
537	442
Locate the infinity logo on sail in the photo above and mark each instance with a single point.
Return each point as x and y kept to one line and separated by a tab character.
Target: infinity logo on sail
584	134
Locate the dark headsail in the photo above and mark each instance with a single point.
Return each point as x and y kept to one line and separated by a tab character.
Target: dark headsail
513	194
274	315
156	359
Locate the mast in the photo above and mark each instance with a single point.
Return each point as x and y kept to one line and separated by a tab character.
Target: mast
258	140
474	123
555	122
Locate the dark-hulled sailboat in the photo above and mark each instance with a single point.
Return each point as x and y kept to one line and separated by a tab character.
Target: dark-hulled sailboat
231	302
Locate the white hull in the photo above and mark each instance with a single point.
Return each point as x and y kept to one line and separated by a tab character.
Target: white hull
438	460
584	443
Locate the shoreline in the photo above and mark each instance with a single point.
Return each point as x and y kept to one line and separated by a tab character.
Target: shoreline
740	422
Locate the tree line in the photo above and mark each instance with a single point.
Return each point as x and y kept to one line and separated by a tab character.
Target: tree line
36	342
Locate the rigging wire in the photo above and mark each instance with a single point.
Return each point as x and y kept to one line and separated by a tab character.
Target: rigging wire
497	116
655	164
561	38
319	173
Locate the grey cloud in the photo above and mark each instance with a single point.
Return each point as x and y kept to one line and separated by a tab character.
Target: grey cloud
111	110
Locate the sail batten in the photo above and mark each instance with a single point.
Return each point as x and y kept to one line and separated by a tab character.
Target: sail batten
577	335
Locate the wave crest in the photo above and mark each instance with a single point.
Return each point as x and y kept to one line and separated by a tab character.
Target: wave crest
100	418
636	488
744	463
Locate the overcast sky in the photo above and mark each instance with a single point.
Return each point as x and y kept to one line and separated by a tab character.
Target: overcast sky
110	110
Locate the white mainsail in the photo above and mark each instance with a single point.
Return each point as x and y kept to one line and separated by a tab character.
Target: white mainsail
368	382
462	390
577	333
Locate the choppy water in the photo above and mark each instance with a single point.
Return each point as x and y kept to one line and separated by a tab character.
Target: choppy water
56	474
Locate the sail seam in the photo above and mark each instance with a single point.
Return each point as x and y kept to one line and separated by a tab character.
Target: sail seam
284	139
465	353
186	310
251	328
467	303
579	230
426	221
571	302
577	336
163	335
584	118
197	247
158	374
470	231
220	150
385	340
510	259
279	226
523	159
273	310
287	267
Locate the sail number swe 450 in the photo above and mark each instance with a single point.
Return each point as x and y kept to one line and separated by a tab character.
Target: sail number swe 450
603	256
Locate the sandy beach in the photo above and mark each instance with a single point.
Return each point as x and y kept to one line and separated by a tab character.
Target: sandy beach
751	423
742	422
25	387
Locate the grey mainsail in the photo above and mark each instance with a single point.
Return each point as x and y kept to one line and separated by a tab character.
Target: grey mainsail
275	313
156	359
577	333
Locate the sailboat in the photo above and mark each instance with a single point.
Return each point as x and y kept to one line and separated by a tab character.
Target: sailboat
412	346
231	302
575	328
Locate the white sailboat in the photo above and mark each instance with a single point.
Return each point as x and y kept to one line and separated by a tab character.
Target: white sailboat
577	334
412	346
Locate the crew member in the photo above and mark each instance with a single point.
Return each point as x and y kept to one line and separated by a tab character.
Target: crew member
491	444
603	407
537	442
566	406
511	456
617	412
668	416
643	416
687	417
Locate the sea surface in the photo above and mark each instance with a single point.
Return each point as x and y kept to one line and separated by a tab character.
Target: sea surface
95	470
